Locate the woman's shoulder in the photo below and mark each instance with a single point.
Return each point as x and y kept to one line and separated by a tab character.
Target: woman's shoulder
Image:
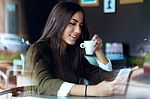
32	47
38	45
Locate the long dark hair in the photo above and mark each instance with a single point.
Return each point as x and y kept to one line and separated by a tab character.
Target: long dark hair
57	21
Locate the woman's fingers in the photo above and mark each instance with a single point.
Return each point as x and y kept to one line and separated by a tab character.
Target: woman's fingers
119	86
94	37
97	42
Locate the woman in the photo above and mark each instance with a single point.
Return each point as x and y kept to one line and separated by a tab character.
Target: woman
56	61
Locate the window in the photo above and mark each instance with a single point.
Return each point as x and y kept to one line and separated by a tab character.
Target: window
12	17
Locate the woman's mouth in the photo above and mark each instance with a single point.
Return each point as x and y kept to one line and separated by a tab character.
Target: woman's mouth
73	38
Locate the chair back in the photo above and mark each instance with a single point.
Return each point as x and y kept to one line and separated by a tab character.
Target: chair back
5	77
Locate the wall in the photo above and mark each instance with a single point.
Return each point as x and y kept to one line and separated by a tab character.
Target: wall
36	13
130	24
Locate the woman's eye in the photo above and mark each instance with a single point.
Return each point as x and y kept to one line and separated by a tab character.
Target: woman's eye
81	25
72	23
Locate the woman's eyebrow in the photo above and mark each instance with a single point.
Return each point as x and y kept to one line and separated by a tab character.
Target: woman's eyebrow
76	20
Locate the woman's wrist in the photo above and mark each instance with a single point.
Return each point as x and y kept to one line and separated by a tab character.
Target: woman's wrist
91	91
100	54
82	90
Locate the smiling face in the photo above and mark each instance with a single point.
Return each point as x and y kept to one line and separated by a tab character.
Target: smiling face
73	29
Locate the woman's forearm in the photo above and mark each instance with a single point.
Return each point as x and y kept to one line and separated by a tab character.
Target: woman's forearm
101	56
104	88
80	90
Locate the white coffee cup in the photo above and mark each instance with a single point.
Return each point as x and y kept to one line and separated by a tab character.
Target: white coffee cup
89	47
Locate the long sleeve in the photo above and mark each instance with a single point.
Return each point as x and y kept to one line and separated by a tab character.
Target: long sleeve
42	74
95	74
65	89
107	67
94	61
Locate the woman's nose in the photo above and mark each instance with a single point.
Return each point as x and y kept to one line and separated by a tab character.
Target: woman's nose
78	29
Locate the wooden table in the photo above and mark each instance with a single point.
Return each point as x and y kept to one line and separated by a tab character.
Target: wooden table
6	65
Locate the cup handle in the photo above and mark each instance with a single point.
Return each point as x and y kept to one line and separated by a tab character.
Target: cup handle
82	45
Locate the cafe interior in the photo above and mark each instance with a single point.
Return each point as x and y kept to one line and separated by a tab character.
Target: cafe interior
122	24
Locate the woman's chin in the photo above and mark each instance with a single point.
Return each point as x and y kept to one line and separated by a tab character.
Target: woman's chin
71	43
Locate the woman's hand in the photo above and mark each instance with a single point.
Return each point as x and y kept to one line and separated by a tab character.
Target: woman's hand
104	88
116	87
98	49
97	42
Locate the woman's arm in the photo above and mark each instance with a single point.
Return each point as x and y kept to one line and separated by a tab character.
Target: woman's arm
98	49
103	62
102	89
40	74
101	56
95	74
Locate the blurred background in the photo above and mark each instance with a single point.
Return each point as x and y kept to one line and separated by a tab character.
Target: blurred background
22	22
125	32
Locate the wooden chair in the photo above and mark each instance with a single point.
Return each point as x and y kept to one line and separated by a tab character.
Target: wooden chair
4	78
18	91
